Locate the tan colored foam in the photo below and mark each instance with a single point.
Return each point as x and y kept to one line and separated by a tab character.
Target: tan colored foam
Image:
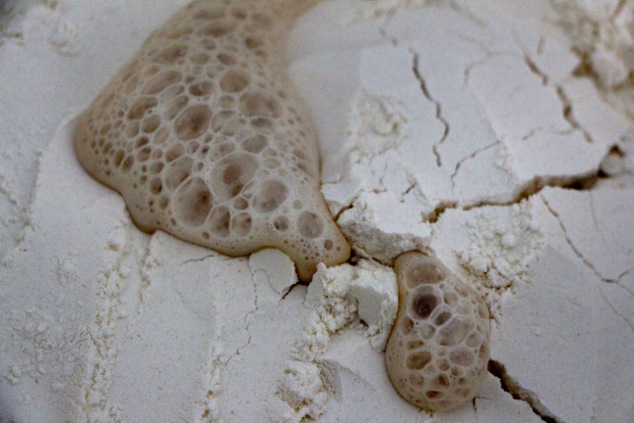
438	349
205	137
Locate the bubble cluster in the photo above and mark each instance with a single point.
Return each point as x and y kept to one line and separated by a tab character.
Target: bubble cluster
438	349
205	137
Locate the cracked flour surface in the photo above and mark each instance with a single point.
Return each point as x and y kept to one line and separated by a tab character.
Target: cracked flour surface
482	133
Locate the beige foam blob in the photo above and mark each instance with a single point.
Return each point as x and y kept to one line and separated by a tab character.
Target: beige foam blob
205	137
438	349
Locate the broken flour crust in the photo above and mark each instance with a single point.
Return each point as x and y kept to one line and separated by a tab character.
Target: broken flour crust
205	137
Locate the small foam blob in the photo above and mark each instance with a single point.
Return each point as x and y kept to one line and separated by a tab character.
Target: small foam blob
438	350
205	137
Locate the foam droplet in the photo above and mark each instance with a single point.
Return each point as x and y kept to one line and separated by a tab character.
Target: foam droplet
434	340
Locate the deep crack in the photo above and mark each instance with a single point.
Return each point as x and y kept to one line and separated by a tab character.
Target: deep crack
569	115
287	293
409	189
247	328
469	157
534	69
200	259
536	185
345	208
512	386
436	103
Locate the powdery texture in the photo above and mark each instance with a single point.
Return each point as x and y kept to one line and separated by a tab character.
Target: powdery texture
335	299
303	390
330	311
438	350
502	248
205	138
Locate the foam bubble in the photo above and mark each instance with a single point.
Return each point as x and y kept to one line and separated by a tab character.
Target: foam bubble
193	202
270	196
192	122
162	81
